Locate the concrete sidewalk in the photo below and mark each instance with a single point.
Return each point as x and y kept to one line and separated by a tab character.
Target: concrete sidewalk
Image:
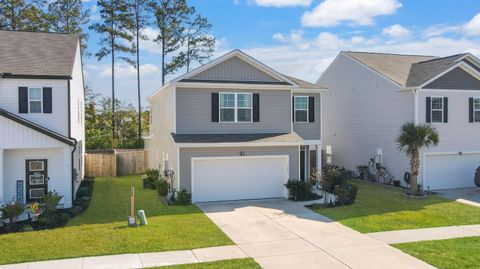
283	234
414	235
142	260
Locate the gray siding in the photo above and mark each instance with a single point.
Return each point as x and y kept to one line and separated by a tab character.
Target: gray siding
186	155
234	69
363	112
310	130
455	79
194	115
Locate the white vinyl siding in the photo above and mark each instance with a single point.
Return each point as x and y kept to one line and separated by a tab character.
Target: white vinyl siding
301	108
235	107
437	109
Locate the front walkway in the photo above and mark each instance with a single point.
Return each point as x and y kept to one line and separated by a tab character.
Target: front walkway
283	234
424	234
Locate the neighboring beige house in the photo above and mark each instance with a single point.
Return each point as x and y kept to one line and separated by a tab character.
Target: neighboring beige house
372	94
41	116
235	129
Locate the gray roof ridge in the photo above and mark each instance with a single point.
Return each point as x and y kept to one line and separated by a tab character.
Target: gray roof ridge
388	53
442	58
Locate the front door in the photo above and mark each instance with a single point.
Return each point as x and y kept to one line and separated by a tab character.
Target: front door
37	179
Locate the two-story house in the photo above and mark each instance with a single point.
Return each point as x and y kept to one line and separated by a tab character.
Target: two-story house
371	95
41	116
234	129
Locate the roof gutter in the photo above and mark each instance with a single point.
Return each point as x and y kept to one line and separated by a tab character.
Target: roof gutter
24	76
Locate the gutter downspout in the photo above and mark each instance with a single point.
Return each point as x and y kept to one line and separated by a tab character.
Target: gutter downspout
75	140
415	96
73	169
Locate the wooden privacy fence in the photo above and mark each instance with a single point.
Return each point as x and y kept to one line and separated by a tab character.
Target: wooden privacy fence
118	162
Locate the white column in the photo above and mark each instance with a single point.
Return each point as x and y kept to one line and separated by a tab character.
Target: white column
1	175
319	158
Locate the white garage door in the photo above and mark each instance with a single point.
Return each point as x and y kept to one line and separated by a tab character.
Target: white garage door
450	171
236	178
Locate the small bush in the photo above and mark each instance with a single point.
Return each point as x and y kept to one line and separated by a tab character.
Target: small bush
12	211
162	187
331	177
150	178
50	202
183	197
346	193
299	190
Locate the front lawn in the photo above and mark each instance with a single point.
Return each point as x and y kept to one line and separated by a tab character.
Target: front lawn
102	228
227	264
380	208
446	254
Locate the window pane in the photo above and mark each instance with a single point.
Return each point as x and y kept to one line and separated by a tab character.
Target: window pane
227	100
301	103
244	100
227	114
477	103
437	116
35	107
437	103
477	116
301	115
244	114
35	94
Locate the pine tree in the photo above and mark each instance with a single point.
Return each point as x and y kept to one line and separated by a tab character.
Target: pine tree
68	16
170	18
199	43
23	15
116	28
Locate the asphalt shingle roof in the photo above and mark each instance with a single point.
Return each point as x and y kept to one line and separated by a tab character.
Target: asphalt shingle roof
37	54
424	71
304	84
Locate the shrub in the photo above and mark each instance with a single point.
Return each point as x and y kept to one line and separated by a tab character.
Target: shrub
12	211
150	178
331	177
50	202
362	171
183	197
27	228
346	193
299	190
50	216
162	187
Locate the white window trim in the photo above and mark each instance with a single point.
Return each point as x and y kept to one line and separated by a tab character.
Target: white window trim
475	109
303	109
437	109
41	100
235	107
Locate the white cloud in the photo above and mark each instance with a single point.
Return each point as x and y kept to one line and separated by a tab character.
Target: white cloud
125	70
357	12
473	26
282	3
396	31
279	37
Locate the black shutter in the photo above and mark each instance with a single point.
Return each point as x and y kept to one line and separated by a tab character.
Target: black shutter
428	109
47	100
215	106
470	109
22	100
293	108
445	109
311	109
256	107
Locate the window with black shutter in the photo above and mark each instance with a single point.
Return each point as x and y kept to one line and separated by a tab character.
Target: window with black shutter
47	100
311	109
22	99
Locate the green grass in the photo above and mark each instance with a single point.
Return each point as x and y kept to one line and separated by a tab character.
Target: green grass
446	254
102	229
380	208
227	264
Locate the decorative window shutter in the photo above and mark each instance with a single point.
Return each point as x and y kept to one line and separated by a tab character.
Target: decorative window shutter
215	101
293	108
256	107
22	99
428	110
47	100
445	109
311	109
470	109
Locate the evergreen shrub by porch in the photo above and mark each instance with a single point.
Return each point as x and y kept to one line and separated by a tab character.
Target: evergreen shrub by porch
150	178
346	193
162	187
299	190
183	197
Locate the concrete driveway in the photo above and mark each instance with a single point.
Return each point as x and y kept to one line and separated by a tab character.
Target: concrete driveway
283	234
469	196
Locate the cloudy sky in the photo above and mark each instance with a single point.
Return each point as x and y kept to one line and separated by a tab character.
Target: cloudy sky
302	37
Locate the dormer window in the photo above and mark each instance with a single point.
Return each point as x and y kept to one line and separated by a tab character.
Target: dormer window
236	107
35	100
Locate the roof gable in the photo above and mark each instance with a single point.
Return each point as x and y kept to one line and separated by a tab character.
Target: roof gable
37	54
456	79
424	71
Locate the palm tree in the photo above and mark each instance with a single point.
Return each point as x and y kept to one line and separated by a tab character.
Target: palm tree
412	139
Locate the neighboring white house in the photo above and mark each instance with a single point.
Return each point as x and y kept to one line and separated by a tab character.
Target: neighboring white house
41	116
235	129
372	94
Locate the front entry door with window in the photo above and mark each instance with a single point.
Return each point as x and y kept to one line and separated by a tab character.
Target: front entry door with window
37	179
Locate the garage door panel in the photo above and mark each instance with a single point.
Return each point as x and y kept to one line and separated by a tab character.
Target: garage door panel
450	171
238	178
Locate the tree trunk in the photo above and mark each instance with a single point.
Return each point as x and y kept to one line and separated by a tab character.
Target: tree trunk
414	164
163	61
137	15
113	89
